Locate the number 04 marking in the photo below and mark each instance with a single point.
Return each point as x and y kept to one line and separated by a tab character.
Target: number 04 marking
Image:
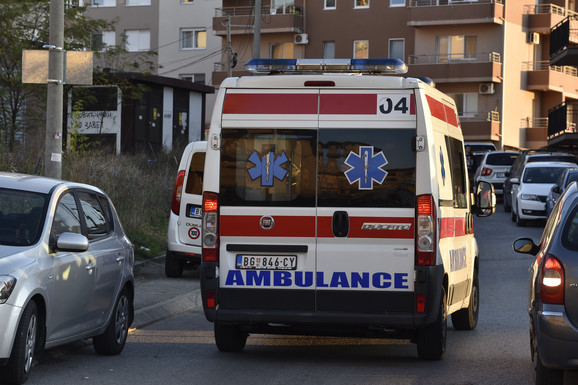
395	104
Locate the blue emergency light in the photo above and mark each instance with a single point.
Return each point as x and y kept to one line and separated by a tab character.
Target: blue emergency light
378	66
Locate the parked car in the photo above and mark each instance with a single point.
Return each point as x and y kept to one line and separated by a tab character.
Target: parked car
66	271
480	146
493	168
568	176
184	230
553	298
475	152
529	156
530	191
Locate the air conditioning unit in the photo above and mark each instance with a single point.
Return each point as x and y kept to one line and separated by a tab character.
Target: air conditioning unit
533	38
301	38
487	88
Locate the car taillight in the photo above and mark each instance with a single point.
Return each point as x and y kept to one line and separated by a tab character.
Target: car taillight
178	192
486	171
552	281
425	236
210	223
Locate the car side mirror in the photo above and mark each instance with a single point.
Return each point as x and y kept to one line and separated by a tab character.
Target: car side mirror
525	246
71	242
515	180
485	199
556	189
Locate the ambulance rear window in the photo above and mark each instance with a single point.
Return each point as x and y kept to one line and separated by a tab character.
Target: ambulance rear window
262	167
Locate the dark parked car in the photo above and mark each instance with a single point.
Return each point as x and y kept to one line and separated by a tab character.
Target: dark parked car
568	176
553	294
528	156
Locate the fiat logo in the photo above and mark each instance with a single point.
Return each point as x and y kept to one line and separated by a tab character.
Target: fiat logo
267	223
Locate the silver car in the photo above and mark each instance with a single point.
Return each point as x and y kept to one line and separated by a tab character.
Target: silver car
66	271
493	168
553	295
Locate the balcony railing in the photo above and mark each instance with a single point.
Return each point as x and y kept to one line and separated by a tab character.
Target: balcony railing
433	3
534	123
265	10
484	57
541	9
562	119
544	65
564	35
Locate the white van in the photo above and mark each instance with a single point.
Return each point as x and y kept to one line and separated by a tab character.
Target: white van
336	203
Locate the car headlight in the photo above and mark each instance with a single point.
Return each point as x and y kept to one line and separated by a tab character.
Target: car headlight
7	284
529	197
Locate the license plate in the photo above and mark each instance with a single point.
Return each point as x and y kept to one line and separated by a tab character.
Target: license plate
500	175
195	211
266	262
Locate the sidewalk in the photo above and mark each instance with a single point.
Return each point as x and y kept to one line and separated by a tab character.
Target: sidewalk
158	297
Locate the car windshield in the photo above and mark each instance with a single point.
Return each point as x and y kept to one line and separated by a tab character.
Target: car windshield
501	159
542	174
21	217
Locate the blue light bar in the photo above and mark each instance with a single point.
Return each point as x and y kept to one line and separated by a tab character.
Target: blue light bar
376	66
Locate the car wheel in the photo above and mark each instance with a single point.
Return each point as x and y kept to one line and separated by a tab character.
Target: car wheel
431	340
173	266
19	364
519	221
547	376
467	319
114	338
512	215
229	338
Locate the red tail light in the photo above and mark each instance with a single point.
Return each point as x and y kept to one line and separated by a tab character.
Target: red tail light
210	295
210	227
425	234
486	171
178	192
552	281
420	303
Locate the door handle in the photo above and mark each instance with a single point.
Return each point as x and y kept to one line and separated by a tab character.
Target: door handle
120	259
340	224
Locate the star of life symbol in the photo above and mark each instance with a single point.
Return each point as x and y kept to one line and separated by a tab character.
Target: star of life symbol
443	166
366	167
268	167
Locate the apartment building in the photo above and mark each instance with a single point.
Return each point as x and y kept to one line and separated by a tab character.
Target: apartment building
491	56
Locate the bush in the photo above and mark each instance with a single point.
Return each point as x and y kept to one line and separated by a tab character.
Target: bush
140	188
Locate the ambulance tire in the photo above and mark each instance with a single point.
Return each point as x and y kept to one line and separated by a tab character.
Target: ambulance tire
467	319
431	340
229	338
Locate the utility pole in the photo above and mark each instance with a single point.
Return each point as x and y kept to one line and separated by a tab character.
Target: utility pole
229	48
54	102
257	31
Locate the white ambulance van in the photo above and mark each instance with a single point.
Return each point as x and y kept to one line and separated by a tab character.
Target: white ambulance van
336	202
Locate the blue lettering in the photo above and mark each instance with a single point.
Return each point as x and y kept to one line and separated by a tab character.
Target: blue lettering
304	278
458	260
320	282
401	281
258	278
234	278
360	280
281	278
339	279
381	280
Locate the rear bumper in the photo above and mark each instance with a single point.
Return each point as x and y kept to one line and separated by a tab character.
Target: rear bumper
556	340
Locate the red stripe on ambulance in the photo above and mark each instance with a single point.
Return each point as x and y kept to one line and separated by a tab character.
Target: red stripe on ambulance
441	111
285	226
348	104
250	103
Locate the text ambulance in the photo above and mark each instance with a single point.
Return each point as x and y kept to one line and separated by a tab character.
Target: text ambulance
337	204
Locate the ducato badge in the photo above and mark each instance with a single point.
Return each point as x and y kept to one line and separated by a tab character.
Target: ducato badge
267	223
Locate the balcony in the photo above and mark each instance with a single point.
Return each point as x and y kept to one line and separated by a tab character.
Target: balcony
455	12
484	127
536	131
562	121
542	17
289	19
564	42
544	77
457	68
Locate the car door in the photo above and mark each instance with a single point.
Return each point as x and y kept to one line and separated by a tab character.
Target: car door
73	276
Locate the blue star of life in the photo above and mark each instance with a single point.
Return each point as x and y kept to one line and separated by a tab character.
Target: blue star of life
267	167
366	167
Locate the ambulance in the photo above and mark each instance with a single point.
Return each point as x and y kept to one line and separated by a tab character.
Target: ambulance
336	202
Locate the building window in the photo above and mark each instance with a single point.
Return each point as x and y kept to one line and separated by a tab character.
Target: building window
187	1
282	51
328	50
466	104
361	4
137	2
193	39
396	49
397	3
194	78
138	40
330	4
361	49
456	48
282	6
100	41
101	3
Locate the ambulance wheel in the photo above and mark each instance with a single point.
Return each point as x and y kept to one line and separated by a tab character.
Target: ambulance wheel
173	266
229	338
431	340
467	319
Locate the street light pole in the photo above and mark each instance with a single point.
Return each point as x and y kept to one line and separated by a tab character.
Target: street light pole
54	100
257	31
